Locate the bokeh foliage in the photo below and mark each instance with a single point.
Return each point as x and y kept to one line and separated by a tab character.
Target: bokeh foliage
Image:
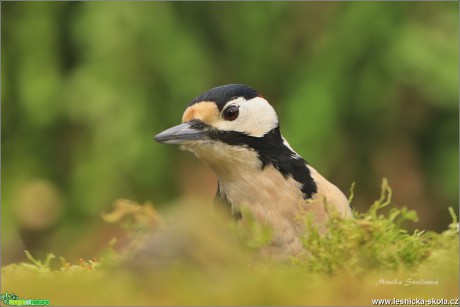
363	90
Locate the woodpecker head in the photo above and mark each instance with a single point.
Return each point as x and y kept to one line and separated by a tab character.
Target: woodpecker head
221	111
235	130
222	122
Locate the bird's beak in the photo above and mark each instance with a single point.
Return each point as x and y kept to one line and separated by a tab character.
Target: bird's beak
182	134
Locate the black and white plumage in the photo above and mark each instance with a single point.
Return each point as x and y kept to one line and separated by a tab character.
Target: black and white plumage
237	133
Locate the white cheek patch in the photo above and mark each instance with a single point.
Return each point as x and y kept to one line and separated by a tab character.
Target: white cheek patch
256	117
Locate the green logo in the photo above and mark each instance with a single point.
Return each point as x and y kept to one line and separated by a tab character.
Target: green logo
14	300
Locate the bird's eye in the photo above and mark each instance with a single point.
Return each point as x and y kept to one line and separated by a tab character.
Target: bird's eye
231	113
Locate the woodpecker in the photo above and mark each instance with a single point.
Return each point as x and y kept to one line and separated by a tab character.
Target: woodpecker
235	131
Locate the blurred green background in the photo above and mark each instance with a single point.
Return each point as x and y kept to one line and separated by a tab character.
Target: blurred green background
363	91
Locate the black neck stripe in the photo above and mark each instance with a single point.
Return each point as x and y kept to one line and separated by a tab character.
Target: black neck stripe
271	150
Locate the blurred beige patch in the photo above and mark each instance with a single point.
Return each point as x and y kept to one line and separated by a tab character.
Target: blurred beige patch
135	214
37	205
197	180
205	111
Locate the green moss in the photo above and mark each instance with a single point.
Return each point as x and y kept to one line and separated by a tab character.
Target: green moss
372	241
349	264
